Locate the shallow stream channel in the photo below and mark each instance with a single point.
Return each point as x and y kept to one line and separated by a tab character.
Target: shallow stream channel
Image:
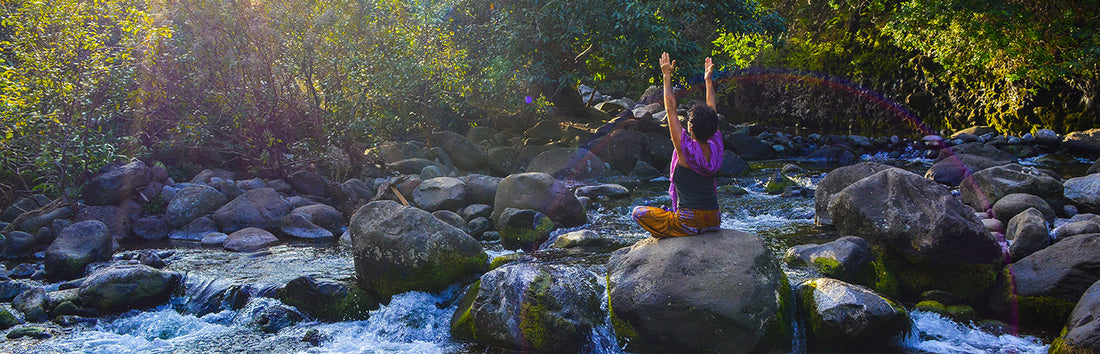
200	318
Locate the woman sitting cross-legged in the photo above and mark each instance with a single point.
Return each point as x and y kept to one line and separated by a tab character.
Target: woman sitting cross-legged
697	158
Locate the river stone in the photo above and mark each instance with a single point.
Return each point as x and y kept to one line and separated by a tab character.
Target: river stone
1049	282
410	166
1082	331
397	151
645	171
848	259
834	155
150	229
117	221
932	241
1008	206
226	187
192	202
1084	192
22	206
474	211
603	191
205	176
9	289
327	300
298	226
569	163
540	192
586	241
843	315
1074	229
977	130
77	246
270	316
542	132
836	181
1028	230
748	147
309	183
502	160
399	249
530	307
116	184
1084	141
195	230
621	149
7	320
442	193
481	189
262	208
477	227
523	229
249	239
32	303
324	216
126	287
467	155
39	221
987	186
17	244
954	168
732	165
704	293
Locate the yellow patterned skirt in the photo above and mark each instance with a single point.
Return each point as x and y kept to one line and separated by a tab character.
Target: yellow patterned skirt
685	222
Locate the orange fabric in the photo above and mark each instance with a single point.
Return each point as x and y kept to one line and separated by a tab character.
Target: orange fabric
685	222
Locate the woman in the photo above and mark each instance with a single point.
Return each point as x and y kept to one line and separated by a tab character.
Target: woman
696	159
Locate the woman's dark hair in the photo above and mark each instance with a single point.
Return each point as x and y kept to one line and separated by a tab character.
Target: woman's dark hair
702	121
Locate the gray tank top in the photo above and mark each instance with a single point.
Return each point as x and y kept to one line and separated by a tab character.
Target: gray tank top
694	191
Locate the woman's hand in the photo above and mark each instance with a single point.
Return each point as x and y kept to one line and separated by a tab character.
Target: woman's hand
667	65
709	67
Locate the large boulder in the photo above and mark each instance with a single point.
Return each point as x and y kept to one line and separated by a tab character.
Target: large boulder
571	163
705	293
126	287
440	193
327	300
249	239
953	168
481	189
77	246
1084	192
848	258
195	230
732	165
399	249
1028	232
309	183
22	206
748	147
931	240
116	219
983	188
17	244
1082	331
540	192
843	315
836	181
1010	205
262	208
192	202
1083	141
523	229
1049	282
621	149
528	307
117	184
502	160
467	155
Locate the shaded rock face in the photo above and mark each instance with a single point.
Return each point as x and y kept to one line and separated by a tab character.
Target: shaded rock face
952	169
399	249
327	300
467	156
1062	271
77	246
1084	141
116	219
150	229
1082	331
192	202
126	287
502	160
262	208
17	244
846	259
481	189
249	239
1028	230
1095	168
703	293
542	193
569	163
749	148
523	228
987	186
839	314
441	193
531	307
836	181
1015	203
1084	192
309	183
397	151
732	165
117	184
1075	228
621	149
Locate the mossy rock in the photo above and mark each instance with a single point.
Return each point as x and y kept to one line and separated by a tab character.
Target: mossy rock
328	301
1043	311
931	306
524	229
499	261
1059	345
778	183
970	282
852	315
7	320
462	323
434	275
961	313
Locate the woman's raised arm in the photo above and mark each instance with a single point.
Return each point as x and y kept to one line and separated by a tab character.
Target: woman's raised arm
708	76
668	66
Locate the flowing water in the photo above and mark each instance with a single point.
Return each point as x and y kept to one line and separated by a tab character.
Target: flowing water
225	291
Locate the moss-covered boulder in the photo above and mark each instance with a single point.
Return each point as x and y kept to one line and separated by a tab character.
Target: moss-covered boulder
399	249
523	228
777	183
531	307
327	300
126	287
1049	283
847	258
705	293
842	315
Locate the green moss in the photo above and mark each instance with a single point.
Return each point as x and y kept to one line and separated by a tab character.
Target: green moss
462	324
1044	311
827	266
962	313
931	306
436	274
624	331
533	314
877	277
970	282
524	238
778	183
7	319
505	259
1059	345
778	333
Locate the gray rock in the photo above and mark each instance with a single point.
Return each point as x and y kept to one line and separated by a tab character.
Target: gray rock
126	287
262	208
1082	330
954	168
467	155
478	226
77	246
836	181
502	160
1083	141
34	223
732	165
280	186
192	202
116	184
843	315
540	192
32	303
309	183
250	184
226	187
523	229
621	148
704	293
571	163
17	244
324	216
19	207
1015	203
327	300
1028	230
205	176
748	147
9	289
117	221
1056	277
586	241
298	226
993	225
1084	192
195	230
249	239
481	189
1075	228
150	229
357	190
431	172
1095	168
507	303
214	239
603	191
451	218
442	193
832	155
411	166
473	211
984	187
644	170
399	249
848	258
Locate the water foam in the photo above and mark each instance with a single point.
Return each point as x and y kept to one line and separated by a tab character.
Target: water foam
933	333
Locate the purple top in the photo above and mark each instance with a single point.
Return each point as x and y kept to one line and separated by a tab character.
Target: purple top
693	152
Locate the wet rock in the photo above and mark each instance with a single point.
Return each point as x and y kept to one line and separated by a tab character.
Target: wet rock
586	241
1074	229
710	292
478	226
23	270
523	229
78	245
32	303
443	193
17	244
9	289
192	202
30	332
399	249
621	148
1082	331
271	316
540	192
150	229
214	239
116	184
298	226
324	216
481	189
249	239
1015	203
205	176
777	183
502	160
1084	192
195	230
327	300
603	191
309	183
125	287
262	208
152	259
848	259
467	155
843	315
836	181
1028	230
531	307
570	163
984	187
1049	282
7	320
936	239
